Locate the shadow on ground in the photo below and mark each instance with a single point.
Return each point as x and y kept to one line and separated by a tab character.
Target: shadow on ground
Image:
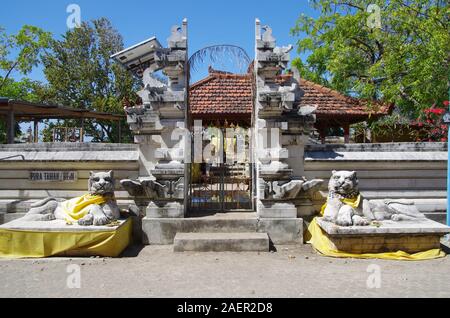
132	250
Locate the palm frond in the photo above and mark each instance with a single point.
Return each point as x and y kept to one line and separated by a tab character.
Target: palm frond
223	52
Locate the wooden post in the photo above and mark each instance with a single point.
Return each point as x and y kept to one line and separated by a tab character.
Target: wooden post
346	133
323	134
10	127
82	130
36	131
120	131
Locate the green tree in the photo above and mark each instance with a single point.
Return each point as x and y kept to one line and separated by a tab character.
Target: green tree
405	61
25	89
81	74
20	52
26	47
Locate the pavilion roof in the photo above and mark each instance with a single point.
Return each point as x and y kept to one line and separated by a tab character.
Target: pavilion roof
26	111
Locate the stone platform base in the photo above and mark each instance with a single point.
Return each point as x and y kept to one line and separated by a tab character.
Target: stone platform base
32	239
162	231
390	236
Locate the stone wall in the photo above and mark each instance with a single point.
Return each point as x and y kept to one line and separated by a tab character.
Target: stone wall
392	170
17	191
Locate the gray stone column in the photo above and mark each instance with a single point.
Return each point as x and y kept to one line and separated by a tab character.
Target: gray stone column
159	127
282	129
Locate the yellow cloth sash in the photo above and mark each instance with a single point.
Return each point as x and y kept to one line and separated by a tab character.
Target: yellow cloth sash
77	208
107	242
319	239
353	202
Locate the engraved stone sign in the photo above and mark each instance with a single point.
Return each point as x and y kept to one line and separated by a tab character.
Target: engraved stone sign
52	176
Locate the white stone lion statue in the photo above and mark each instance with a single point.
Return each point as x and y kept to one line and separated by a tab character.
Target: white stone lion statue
346	207
98	207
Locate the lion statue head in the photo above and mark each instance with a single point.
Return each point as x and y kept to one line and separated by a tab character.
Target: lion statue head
343	183
101	183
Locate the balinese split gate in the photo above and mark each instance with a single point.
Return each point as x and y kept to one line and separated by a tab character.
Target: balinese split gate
197	156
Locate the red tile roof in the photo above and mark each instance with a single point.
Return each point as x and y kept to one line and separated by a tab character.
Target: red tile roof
332	103
222	93
226	93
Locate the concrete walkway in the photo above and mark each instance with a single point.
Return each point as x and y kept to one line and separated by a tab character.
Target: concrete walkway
155	271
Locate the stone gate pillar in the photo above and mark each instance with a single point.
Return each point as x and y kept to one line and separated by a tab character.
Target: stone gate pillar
159	126
282	129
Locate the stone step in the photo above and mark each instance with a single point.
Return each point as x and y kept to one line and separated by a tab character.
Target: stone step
221	242
238	222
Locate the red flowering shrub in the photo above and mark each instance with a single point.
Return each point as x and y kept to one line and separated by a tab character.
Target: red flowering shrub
431	125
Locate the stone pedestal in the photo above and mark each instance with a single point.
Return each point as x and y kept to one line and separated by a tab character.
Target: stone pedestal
389	236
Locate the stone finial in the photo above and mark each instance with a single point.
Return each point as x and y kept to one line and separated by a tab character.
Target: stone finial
175	33
178	37
265	40
267	35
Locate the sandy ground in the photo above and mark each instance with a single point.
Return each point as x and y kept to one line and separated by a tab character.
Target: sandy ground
155	271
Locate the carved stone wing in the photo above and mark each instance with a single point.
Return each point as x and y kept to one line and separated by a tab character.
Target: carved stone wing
313	185
134	188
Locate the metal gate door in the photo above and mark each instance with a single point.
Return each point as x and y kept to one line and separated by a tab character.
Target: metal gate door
221	186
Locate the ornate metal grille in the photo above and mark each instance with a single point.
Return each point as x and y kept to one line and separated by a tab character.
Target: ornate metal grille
221	187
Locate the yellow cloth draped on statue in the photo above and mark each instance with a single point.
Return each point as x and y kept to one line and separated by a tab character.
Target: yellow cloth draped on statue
77	208
41	240
315	236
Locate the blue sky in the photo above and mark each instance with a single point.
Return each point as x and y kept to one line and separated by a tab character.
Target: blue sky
210	22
